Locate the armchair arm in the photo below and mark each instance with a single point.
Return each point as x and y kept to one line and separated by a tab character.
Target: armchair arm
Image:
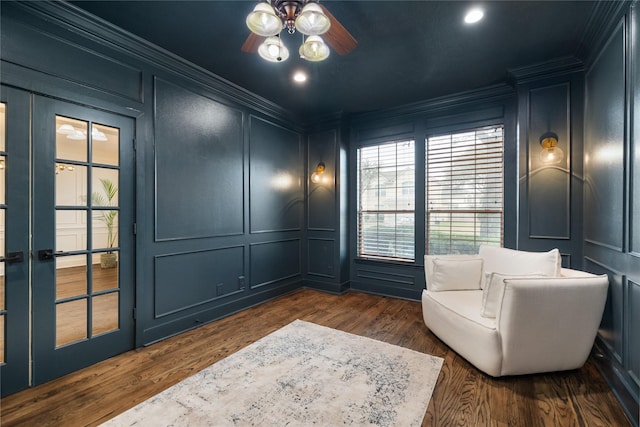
549	324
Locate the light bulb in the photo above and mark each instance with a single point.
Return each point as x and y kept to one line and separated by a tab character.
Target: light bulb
314	49
551	155
273	50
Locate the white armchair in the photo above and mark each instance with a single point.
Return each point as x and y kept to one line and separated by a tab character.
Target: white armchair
520	312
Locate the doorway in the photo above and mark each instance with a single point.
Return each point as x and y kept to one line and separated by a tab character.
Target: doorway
67	243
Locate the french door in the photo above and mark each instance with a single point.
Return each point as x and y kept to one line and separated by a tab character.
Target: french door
68	238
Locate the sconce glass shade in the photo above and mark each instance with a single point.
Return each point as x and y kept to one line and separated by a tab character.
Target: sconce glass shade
316	177
314	49
312	21
273	50
263	21
551	154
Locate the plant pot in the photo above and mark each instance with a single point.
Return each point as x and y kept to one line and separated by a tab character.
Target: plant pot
108	260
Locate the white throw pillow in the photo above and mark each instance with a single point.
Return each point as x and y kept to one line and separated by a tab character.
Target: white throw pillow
509	261
428	264
456	274
494	289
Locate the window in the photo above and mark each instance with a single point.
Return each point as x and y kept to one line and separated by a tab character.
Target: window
386	201
464	191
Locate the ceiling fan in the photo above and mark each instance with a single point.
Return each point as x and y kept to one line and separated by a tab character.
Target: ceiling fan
308	17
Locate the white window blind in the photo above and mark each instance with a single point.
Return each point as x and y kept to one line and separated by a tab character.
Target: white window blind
464	191
386	201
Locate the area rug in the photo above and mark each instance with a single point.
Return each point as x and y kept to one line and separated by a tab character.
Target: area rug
302	374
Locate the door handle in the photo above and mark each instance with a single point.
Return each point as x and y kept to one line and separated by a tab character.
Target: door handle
13	257
45	254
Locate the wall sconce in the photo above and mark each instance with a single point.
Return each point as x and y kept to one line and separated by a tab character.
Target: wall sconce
551	154
317	175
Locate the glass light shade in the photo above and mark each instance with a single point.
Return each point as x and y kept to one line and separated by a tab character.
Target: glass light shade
273	50
312	21
551	155
314	49
263	21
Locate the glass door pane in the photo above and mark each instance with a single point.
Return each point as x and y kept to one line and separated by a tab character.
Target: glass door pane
83	200
87	180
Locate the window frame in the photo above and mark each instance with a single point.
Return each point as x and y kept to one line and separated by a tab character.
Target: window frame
473	211
400	193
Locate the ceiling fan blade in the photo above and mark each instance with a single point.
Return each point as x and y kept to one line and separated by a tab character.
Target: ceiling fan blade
252	43
338	37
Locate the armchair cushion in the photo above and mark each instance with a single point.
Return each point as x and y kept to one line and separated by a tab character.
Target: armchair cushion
456	274
513	262
494	290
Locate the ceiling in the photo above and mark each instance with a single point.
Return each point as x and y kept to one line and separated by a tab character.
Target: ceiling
408	51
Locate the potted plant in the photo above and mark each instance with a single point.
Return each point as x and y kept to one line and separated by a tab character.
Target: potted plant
106	198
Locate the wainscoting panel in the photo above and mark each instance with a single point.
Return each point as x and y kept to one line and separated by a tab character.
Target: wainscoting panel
549	192
186	280
633	333
320	257
604	166
392	280
321	199
612	326
276	158
198	165
274	261
36	49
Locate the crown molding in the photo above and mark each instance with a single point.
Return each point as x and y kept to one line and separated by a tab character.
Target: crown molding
497	92
76	20
603	19
553	68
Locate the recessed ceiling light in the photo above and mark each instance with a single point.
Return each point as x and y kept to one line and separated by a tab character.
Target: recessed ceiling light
473	16
300	77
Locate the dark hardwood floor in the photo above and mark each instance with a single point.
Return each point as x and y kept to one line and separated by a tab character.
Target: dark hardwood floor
463	396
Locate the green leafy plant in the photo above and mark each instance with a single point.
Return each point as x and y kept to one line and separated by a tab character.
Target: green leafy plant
108	217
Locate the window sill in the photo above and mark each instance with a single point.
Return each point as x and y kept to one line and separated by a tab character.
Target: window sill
390	262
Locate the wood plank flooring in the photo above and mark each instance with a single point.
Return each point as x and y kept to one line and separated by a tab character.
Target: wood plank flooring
463	395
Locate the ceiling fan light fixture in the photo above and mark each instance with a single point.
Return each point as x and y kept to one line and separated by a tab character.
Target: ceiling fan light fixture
312	21
273	50
263	21
314	49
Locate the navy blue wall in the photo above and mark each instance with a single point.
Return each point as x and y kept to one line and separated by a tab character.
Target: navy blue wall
220	173
227	215
611	196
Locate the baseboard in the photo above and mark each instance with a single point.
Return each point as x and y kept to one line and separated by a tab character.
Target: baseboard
196	319
615	377
334	288
388	291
